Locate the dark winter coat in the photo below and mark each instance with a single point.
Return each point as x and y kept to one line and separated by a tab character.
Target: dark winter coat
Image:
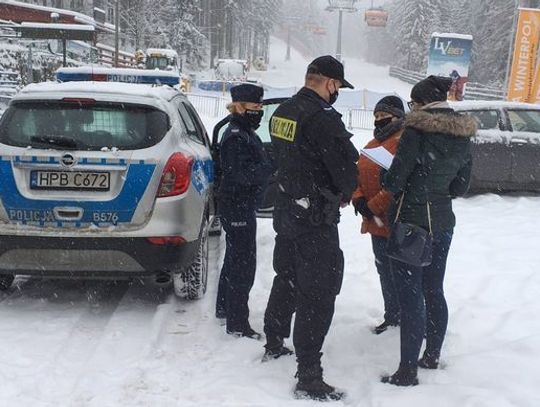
432	164
313	151
244	164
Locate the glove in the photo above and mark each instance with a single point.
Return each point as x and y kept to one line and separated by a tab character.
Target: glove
361	207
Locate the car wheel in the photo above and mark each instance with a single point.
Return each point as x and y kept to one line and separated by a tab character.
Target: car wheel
191	283
5	281
216	228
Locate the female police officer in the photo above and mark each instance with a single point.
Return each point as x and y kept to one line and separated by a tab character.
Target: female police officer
245	168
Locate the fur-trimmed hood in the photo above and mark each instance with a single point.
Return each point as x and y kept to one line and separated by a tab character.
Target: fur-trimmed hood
442	121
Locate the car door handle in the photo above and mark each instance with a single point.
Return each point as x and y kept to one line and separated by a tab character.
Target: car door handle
68	213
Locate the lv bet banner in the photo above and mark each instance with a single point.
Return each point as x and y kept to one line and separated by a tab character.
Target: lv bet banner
524	79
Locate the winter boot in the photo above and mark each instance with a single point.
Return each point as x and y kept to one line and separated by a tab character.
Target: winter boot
275	348
247	332
383	327
312	386
276	353
317	389
402	377
428	361
220	313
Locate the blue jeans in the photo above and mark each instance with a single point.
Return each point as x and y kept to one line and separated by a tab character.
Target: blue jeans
384	268
422	302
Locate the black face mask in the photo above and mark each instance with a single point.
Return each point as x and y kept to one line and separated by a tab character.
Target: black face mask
333	97
254	117
381	124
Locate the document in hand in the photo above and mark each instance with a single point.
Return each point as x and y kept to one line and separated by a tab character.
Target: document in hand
379	155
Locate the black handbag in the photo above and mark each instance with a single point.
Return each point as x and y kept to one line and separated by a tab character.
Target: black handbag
410	243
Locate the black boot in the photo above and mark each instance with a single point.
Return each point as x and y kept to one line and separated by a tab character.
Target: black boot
317	389
276	353
312	386
383	327
403	377
428	361
247	332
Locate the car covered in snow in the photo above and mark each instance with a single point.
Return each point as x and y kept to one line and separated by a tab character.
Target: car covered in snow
506	149
105	179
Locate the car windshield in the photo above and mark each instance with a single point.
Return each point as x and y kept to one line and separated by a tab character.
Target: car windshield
88	126
157	63
525	120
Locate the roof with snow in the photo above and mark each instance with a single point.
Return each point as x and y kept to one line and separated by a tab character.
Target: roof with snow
78	27
491	104
170	53
18	11
121	92
453	35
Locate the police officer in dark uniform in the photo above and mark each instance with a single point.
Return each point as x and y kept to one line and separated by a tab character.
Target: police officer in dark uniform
245	168
316	176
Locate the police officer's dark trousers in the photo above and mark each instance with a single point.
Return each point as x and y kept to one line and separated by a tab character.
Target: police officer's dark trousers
238	272
309	272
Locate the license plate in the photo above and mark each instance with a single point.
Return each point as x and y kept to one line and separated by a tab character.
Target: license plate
85	181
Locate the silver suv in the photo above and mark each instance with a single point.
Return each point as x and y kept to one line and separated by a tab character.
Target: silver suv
105	180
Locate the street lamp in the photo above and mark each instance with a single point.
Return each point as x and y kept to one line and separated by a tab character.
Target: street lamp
341	6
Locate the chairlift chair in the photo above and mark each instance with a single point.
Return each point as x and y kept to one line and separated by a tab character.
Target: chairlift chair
376	17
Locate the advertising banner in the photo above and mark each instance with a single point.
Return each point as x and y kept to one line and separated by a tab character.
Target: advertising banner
450	55
520	82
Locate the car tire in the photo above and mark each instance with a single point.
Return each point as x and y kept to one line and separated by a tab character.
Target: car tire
215	227
5	281
191	282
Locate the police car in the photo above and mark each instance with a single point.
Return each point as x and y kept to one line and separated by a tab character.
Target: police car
105	179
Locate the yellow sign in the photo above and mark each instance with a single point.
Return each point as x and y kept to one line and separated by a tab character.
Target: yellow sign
520	84
284	129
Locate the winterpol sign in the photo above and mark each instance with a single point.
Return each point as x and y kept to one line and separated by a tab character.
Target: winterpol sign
522	86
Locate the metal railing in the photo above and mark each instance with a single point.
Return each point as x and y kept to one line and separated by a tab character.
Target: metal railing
473	90
215	106
207	105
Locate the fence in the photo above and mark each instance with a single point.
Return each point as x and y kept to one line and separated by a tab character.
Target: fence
106	55
473	90
211	106
358	118
215	106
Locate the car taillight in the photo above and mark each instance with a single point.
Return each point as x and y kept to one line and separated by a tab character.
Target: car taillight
176	175
166	240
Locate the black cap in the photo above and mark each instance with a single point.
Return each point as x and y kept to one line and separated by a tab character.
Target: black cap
432	89
331	68
246	92
390	104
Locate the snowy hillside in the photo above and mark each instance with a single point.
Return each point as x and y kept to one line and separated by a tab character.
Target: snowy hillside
104	344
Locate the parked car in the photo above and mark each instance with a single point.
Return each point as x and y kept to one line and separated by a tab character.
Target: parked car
105	180
506	150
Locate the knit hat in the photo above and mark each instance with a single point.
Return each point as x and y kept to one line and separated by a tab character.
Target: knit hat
247	92
390	104
432	89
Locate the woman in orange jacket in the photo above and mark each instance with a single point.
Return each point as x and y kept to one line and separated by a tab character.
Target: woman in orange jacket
373	203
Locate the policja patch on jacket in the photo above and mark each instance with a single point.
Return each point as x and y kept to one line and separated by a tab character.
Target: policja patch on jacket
282	128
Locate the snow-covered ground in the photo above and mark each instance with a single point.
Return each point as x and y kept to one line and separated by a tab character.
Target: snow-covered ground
101	344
